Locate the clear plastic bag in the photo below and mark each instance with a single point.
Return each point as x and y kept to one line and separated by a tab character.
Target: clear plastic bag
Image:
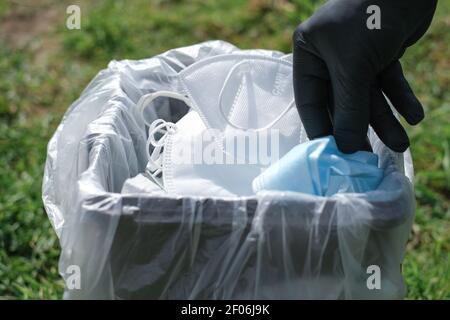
154	246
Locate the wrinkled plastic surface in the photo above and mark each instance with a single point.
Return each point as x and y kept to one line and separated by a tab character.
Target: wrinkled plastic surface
148	245
318	167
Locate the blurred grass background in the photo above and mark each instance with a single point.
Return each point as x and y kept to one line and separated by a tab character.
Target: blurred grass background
44	67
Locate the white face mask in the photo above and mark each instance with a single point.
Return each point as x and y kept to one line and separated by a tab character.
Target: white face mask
239	96
244	92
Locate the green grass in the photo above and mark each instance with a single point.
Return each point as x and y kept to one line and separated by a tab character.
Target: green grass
35	92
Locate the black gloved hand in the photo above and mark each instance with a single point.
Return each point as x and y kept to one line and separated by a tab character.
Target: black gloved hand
341	68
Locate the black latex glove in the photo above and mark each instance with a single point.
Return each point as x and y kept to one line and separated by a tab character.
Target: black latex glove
341	68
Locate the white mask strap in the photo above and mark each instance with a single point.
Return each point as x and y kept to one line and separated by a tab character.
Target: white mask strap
147	99
155	161
221	107
154	167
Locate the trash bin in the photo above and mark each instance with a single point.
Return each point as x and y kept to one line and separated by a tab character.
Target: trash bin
274	245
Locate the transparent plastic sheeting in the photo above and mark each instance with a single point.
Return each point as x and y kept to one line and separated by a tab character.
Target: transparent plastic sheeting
156	246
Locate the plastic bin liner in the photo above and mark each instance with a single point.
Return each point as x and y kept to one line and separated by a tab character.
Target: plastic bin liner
150	245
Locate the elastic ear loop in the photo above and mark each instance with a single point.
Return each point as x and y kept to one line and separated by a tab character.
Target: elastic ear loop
221	108
145	100
222	112
163	128
158	126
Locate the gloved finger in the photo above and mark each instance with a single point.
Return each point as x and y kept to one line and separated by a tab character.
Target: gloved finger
366	146
397	89
311	90
385	124
351	91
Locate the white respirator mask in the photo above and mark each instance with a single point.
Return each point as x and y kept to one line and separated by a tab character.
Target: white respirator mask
242	120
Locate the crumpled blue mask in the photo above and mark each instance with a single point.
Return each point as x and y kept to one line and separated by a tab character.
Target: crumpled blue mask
317	167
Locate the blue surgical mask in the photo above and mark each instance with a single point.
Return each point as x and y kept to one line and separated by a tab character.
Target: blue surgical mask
317	167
